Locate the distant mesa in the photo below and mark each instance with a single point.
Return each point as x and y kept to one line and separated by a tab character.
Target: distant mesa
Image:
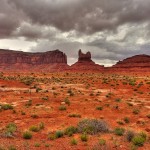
85	63
56	61
138	61
27	61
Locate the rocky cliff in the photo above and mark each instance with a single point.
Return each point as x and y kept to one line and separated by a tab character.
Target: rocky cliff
85	63
138	61
15	60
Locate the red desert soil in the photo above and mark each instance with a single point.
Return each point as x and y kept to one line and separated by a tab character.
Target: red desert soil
37	97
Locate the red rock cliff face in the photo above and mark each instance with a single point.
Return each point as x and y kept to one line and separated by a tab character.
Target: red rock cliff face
15	60
138	61
85	63
13	57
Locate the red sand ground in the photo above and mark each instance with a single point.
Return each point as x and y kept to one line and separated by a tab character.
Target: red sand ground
90	90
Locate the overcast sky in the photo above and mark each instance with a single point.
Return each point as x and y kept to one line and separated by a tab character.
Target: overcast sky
110	29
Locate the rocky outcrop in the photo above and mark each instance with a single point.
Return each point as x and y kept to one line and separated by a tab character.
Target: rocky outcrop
138	61
85	63
84	57
15	60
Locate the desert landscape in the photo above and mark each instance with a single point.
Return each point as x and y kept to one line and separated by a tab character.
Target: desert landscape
74	74
82	107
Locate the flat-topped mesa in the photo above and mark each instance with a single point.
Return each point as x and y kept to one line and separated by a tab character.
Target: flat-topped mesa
47	61
84	57
14	57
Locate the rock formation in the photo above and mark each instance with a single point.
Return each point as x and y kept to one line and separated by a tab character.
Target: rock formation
15	60
85	63
138	61
134	63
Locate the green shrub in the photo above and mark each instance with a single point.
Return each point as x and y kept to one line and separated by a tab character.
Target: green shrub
37	145
34	128
92	126
75	115
99	108
27	135
118	99
67	101
62	108
136	111
59	134
12	147
126	120
70	130
138	140
6	106
102	142
84	137
41	125
119	131
74	141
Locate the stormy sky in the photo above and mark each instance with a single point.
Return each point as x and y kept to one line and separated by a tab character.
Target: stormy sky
110	29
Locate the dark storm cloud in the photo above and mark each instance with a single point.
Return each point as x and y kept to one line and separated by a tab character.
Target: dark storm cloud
10	18
87	15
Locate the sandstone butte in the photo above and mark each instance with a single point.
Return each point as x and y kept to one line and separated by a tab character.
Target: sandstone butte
55	61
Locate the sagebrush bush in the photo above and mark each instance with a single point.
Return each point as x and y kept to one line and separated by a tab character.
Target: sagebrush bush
27	135
74	141
84	137
34	128
119	131
70	130
138	140
92	126
59	134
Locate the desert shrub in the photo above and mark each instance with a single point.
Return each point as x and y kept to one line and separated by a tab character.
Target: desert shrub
75	115
62	108
126	120
27	135
6	106
12	147
74	141
10	129
29	103
84	137
34	128
51	136
59	134
37	145
99	108
41	125
45	98
138	140
118	99
143	134
120	122
102	142
34	116
119	131
70	130
129	135
136	111
67	101
92	126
